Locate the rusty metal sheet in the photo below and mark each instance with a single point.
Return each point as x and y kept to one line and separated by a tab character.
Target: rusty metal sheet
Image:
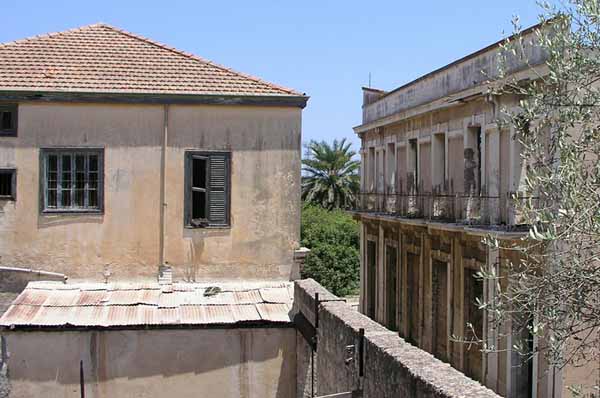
85	286
247	297
217	314
184	286
20	315
61	298
167	316
92	298
102	305
88	316
133	297
50	285
169	300
275	295
122	297
222	298
274	312
52	316
32	297
245	313
194	297
123	315
133	286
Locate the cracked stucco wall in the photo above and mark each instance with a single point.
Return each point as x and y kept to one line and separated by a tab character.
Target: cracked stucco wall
265	192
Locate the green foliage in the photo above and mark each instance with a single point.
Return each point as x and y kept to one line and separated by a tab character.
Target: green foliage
332	236
330	175
555	286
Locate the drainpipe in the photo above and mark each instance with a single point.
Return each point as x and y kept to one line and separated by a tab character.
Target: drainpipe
163	188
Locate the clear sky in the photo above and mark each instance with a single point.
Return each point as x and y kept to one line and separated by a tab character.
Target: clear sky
323	48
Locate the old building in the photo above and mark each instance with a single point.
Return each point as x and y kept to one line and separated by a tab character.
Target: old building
137	171
119	154
438	175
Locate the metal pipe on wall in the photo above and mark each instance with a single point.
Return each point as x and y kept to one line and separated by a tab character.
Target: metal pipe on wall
163	187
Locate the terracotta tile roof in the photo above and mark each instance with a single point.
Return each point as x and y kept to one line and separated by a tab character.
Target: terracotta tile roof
103	59
54	304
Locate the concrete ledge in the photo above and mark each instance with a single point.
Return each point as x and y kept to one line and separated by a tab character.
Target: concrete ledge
392	367
304	297
15	279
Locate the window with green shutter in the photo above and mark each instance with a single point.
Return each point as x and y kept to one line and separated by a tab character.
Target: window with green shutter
207	189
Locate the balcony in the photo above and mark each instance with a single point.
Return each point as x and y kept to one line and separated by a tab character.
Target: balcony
450	208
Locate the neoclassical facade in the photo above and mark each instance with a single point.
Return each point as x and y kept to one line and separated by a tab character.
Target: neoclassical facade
438	175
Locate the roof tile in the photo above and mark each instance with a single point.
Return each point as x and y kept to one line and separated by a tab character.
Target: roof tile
103	59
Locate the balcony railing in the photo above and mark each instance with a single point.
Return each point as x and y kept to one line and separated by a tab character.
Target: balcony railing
456	208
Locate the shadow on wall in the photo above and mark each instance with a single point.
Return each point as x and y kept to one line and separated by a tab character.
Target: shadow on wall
253	362
15	279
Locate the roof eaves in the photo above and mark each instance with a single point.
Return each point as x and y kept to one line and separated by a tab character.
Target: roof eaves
259	99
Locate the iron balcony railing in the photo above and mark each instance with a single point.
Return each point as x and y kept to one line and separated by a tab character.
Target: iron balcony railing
456	208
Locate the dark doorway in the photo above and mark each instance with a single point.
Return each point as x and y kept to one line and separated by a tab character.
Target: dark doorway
439	296
473	357
371	278
391	265
412	290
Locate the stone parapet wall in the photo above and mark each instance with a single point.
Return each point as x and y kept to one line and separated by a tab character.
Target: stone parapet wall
392	367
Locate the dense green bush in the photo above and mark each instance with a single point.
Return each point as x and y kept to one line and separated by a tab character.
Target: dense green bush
332	236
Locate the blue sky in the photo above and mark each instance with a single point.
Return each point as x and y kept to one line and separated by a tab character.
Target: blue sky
324	48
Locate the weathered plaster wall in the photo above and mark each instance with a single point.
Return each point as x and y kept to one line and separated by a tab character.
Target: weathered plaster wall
14	280
265	191
462	75
248	363
393	368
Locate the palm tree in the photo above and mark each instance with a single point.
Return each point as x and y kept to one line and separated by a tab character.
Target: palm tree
330	175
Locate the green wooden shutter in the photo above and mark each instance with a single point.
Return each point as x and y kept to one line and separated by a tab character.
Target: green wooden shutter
218	207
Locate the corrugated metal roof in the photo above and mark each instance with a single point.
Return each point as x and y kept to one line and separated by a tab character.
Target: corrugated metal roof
50	304
275	295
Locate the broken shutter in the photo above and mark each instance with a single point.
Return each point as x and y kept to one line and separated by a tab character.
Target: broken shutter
217	207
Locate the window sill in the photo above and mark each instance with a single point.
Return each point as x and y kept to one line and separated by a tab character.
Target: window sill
210	227
8	133
71	212
8	198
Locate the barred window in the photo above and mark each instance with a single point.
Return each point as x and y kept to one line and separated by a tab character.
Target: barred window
72	180
207	189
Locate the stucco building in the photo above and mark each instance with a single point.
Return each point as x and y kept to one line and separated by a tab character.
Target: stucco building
120	154
139	171
438	176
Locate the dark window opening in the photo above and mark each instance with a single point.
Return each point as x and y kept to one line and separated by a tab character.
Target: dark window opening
414	164
72	180
8	184
392	287
473	357
8	120
439	295
371	278
207	189
412	287
479	161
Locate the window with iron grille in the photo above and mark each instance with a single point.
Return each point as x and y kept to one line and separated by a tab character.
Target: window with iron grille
72	180
207	176
8	184
8	120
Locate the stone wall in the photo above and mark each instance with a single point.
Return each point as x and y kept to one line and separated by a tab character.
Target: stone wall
392	367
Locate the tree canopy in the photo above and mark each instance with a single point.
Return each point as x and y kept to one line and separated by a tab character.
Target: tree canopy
553	293
330	175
